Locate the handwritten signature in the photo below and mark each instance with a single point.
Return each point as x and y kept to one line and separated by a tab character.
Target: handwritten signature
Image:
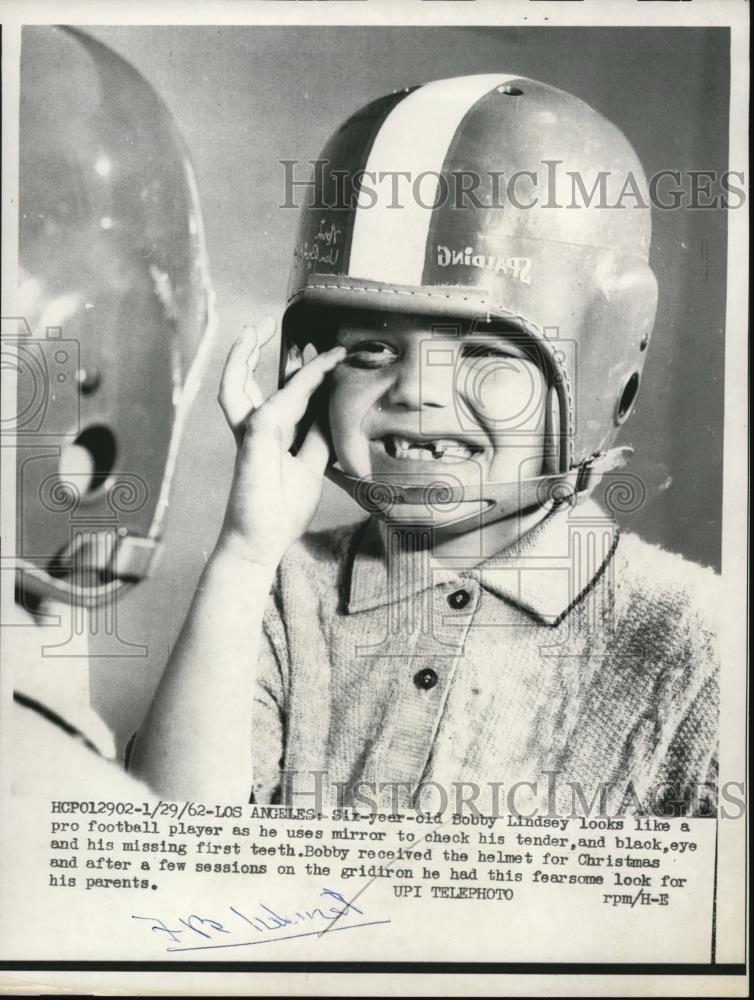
197	933
315	252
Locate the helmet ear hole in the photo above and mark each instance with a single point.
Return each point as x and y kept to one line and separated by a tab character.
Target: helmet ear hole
89	460
627	398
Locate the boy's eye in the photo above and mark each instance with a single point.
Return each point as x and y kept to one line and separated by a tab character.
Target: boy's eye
489	349
370	354
479	351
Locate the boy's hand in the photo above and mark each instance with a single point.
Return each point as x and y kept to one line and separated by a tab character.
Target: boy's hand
274	494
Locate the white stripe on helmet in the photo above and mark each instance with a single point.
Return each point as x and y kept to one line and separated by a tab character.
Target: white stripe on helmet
389	243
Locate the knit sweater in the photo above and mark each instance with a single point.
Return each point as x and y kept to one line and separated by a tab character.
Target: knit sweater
574	672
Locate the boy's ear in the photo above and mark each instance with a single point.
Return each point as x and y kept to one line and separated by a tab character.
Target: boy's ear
551	463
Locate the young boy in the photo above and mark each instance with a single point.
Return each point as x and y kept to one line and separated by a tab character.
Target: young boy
485	637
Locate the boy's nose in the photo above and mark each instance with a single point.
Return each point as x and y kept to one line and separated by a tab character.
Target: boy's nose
424	378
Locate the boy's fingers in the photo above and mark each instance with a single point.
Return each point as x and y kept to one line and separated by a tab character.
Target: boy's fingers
266	330
239	393
260	333
283	411
242	347
231	395
253	395
292	400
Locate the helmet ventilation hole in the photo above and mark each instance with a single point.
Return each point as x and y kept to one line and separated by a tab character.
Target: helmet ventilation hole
627	398
510	91
89	459
644	342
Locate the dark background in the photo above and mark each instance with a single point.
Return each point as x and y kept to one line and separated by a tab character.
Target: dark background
246	97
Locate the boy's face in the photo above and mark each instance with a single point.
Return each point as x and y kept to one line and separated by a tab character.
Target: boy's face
414	405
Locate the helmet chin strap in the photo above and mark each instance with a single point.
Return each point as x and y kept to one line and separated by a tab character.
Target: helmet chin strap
491	501
99	566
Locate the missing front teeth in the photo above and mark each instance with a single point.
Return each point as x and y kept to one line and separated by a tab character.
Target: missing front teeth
424	451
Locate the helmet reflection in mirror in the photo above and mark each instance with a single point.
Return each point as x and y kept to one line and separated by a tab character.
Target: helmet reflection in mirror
553	241
117	315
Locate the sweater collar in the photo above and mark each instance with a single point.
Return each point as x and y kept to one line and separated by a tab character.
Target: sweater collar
545	573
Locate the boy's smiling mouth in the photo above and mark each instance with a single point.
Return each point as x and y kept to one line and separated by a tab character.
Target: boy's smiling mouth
404	448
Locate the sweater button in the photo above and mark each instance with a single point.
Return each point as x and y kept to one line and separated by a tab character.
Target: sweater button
426	679
459	599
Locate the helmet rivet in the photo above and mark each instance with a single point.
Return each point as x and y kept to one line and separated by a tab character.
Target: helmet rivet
88	379
644	342
510	91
